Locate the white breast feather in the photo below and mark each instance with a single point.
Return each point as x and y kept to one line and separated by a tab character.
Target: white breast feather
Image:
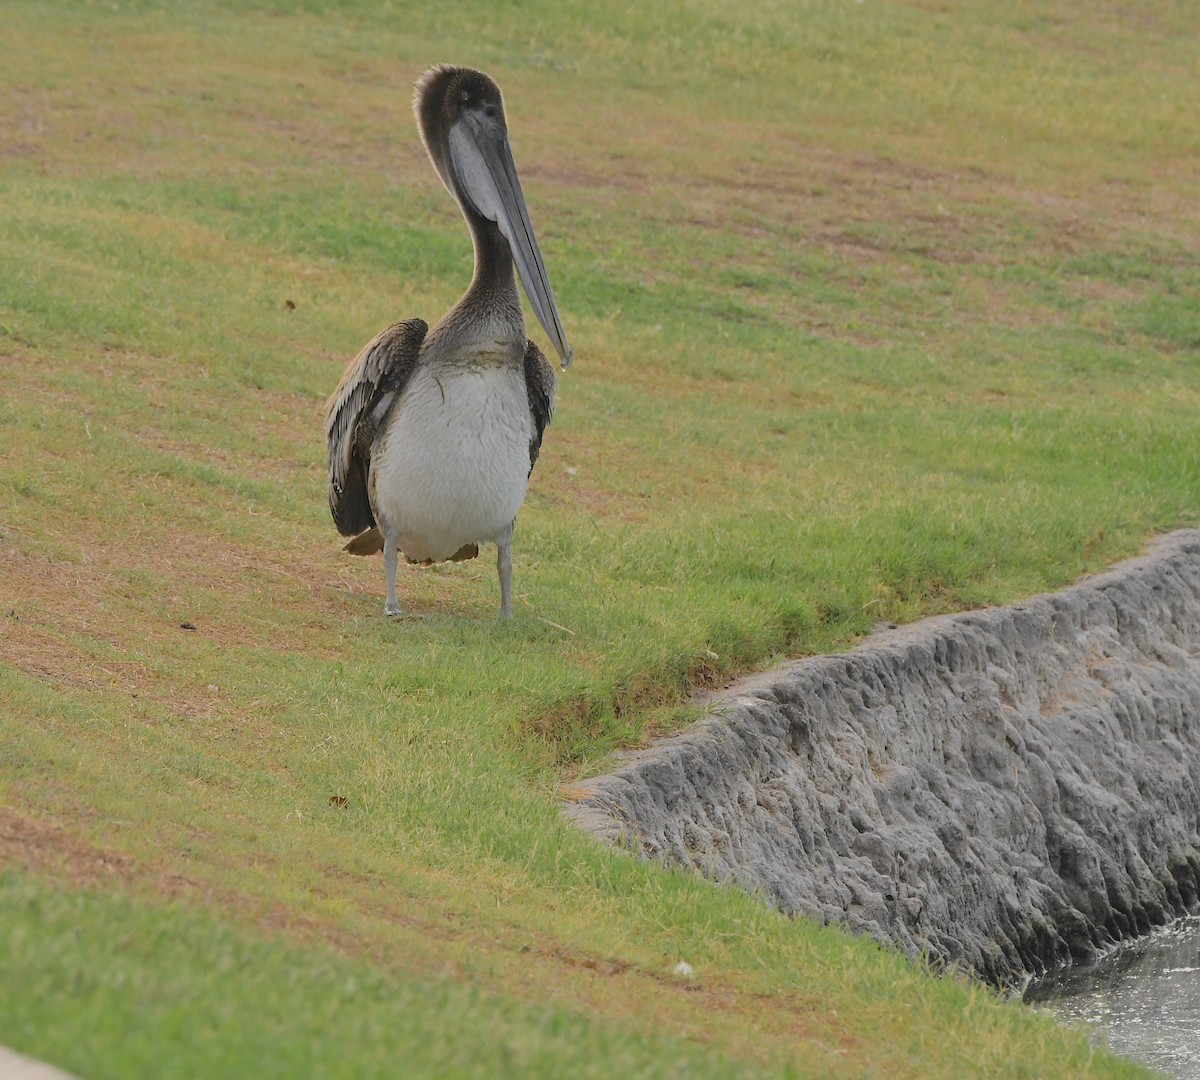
454	465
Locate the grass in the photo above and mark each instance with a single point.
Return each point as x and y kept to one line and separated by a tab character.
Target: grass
880	310
260	1002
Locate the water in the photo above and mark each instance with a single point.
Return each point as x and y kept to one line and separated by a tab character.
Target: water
1142	1000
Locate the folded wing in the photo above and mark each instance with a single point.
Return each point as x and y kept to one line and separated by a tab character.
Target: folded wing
540	381
356	411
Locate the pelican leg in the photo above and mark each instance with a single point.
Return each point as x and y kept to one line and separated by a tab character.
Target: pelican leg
391	606
504	566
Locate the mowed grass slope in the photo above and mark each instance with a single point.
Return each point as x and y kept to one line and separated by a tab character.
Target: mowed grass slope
880	310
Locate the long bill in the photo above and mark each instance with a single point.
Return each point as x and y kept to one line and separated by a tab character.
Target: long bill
486	169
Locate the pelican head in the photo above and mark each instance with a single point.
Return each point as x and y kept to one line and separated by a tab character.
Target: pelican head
460	114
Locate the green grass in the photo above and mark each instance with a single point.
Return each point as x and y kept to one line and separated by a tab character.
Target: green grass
880	310
219	1000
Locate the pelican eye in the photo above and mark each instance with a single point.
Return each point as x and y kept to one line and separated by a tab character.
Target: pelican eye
489	110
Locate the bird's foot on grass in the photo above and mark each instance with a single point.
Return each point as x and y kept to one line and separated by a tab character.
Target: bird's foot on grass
396	613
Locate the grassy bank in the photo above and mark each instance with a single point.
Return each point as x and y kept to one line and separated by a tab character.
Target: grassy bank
879	311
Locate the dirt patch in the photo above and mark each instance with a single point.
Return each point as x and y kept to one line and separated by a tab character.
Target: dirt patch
95	586
54	851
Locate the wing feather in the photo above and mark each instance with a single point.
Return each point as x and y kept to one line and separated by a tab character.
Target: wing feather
540	382
355	411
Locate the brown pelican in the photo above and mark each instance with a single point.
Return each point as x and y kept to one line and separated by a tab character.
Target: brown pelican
433	435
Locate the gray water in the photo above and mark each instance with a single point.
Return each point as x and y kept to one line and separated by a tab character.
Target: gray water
1142	1000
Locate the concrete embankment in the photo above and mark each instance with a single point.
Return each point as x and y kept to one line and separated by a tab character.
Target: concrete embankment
1006	789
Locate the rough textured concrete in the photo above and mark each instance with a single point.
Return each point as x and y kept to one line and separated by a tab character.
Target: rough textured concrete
1006	789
